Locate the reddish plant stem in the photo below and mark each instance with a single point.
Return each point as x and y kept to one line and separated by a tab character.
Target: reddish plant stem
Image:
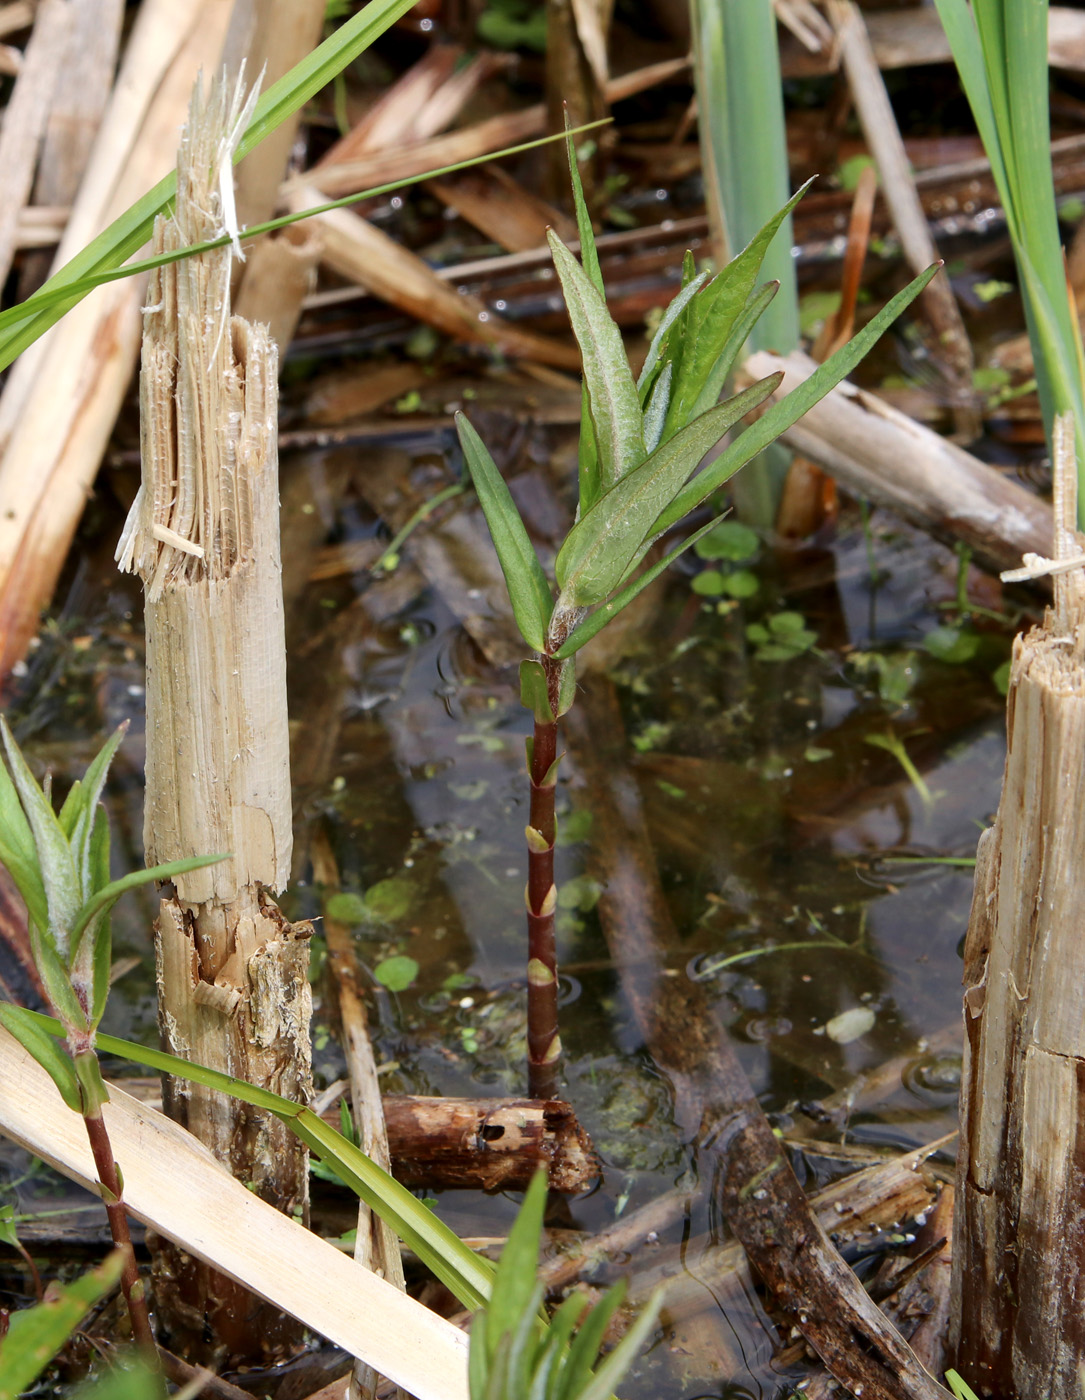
543	1041
131	1284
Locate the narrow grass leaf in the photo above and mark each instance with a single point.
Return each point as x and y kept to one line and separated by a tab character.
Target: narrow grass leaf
599	549
594	623
625	1353
585	1345
515	1279
529	591
615	403
53	1060
106	897
132	229
36	1334
589	254
478	1357
467	1275
54	855
780	416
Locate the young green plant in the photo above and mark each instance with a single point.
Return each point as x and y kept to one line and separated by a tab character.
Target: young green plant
60	864
640	444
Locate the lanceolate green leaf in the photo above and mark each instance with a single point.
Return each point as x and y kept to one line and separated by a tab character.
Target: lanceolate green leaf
615	403
588	464
596	621
780	416
599	549
658	346
515	1279
133	228
711	316
740	330
625	1353
529	591
106	897
17	850
36	1334
57	1065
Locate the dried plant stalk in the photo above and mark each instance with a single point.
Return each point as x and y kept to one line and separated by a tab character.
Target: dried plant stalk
1019	1232
203	535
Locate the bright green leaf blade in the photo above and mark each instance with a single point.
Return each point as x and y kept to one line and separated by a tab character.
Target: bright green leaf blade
478	1360
467	1275
132	229
585	1345
593	624
36	1334
657	349
589	254
515	1280
712	315
53	852
529	591
780	416
656	412
740	332
18	853
613	397
107	896
54	1061
614	1367
599	549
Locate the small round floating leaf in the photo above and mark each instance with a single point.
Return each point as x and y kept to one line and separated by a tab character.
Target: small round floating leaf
346	908
729	540
709	583
396	973
388	900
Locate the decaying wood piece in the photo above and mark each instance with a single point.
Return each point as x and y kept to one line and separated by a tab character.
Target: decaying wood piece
882	454
751	1178
1019	1236
61	398
375	1244
203	536
169	1178
899	192
356	249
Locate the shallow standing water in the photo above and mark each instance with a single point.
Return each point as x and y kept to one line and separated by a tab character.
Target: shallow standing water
759	693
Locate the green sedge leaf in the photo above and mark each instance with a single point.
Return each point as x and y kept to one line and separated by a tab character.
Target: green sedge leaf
656	412
54	855
53	1060
526	1343
625	1353
478	1357
514	1283
613	398
133	228
534	694
599	549
36	1334
744	324
712	316
548	1371
659	341
780	416
469	1276
595	622
585	1345
528	589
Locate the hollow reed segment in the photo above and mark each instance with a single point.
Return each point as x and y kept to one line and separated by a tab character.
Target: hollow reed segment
203	534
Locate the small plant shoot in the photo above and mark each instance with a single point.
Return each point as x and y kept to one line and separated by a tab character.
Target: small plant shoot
641	442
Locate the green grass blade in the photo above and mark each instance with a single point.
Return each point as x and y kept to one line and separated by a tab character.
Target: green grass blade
465	1273
593	624
625	1353
600	548
613	397
529	591
132	229
515	1279
106	897
780	416
589	254
585	1345
36	1334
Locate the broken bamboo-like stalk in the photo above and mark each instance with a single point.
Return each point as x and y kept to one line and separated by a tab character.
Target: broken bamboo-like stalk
204	536
1019	1232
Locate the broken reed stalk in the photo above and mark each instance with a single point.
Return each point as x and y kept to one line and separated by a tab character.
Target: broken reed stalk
204	536
543	1040
1019	1231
